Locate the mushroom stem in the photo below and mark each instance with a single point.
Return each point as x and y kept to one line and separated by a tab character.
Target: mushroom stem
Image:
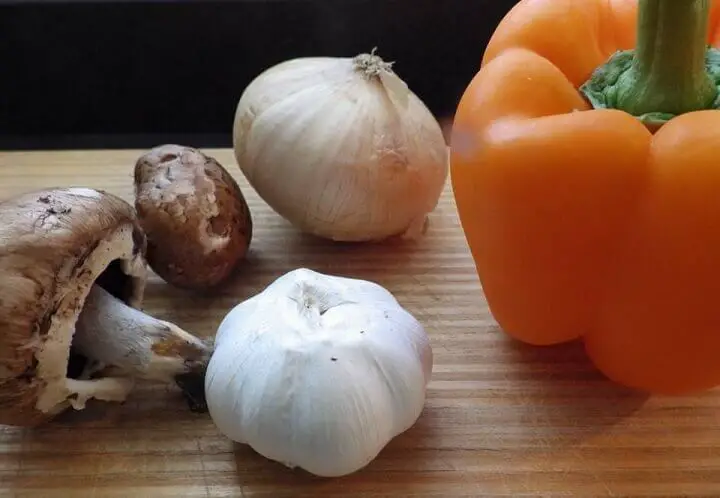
108	389
122	341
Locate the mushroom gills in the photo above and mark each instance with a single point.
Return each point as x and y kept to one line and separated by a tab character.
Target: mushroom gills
115	281
119	343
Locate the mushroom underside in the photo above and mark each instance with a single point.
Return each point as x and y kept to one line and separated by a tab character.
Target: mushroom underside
114	343
63	373
73	277
120	285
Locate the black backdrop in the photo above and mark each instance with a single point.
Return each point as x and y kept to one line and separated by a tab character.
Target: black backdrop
134	73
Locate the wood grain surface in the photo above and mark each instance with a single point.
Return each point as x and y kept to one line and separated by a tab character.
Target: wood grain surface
501	419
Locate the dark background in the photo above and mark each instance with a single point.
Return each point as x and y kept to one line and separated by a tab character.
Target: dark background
135	73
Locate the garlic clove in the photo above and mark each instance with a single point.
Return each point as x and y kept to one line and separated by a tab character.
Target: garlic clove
318	372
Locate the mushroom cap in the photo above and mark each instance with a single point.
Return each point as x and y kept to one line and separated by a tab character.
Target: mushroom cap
54	245
196	218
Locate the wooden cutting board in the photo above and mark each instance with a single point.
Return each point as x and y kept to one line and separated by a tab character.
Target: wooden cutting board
502	419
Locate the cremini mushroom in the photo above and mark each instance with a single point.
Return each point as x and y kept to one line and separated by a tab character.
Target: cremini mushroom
72	257
197	221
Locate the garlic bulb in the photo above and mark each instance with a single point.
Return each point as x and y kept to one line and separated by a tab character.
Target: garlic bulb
341	148
318	372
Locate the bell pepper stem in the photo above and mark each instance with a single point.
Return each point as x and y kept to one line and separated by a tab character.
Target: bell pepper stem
671	71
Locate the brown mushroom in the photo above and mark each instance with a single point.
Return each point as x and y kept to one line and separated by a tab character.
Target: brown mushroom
60	250
196	218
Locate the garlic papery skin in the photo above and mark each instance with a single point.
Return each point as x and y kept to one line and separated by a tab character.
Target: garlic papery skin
341	148
318	372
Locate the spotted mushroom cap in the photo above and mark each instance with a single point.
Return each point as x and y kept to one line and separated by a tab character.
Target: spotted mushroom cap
54	245
196	218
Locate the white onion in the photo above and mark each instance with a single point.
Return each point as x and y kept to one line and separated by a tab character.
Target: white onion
341	148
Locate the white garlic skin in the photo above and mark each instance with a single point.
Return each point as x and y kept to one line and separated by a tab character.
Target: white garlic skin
340	154
323	392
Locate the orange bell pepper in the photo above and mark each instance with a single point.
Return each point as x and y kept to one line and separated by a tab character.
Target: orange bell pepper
585	163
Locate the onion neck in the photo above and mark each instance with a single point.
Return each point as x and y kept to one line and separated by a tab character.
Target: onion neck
371	65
